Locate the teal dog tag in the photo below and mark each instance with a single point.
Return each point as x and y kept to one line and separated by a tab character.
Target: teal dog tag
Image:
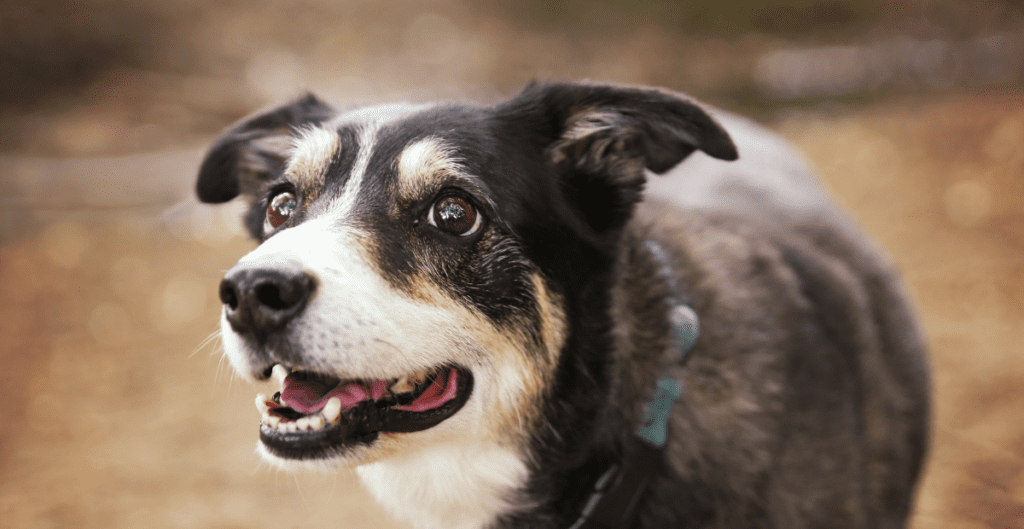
685	329
655	428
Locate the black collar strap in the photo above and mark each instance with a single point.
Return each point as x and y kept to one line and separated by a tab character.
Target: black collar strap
613	501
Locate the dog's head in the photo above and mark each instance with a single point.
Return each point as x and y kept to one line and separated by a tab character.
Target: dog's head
420	268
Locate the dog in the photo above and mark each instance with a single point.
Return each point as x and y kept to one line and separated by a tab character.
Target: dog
588	306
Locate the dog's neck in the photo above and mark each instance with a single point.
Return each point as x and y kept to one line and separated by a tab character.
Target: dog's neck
615	496
649	337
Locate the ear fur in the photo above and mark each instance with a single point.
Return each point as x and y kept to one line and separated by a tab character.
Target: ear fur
255	149
659	127
600	138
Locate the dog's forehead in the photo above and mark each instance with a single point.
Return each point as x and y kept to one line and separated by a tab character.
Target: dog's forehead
362	153
317	150
383	113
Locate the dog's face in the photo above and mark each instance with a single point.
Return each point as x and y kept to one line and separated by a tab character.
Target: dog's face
420	266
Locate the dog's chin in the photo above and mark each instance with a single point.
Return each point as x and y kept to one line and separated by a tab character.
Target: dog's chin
295	433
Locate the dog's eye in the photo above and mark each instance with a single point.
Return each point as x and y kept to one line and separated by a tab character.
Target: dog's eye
454	215
281	208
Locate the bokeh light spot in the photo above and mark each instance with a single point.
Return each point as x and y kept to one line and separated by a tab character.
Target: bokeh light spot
181	301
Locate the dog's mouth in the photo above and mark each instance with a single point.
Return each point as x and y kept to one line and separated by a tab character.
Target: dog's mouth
316	415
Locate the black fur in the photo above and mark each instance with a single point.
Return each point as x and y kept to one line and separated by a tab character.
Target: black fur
238	156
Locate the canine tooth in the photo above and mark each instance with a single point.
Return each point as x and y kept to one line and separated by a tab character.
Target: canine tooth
419	378
271	421
261	403
332	411
302	424
402	386
316	422
278	373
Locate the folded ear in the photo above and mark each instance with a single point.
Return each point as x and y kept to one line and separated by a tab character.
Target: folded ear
600	139
255	149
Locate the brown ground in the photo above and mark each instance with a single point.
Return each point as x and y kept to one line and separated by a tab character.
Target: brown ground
119	413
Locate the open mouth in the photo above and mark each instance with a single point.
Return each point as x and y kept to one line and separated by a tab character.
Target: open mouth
317	415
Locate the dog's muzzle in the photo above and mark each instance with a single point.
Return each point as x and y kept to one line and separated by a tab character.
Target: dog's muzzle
261	301
320	413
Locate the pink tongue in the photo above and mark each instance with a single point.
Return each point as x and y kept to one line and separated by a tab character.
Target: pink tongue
377	389
438	393
310	396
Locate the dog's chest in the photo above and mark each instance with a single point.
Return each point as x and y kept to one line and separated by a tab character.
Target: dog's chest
452	486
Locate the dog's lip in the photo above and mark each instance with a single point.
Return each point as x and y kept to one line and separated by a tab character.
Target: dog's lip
351	417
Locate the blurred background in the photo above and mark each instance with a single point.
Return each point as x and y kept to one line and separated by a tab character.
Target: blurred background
119	411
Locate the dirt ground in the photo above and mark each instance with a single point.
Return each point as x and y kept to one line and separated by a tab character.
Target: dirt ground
120	411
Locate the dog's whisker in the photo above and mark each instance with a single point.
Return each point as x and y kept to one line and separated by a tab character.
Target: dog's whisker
222	365
216	334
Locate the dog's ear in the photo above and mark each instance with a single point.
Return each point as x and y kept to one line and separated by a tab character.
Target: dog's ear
600	139
255	149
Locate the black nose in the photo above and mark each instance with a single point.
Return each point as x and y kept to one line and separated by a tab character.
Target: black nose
260	301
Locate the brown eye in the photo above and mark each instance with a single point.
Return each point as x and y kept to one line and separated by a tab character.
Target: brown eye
281	208
454	215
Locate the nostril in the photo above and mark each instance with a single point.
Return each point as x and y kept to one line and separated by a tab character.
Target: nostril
269	295
228	294
283	293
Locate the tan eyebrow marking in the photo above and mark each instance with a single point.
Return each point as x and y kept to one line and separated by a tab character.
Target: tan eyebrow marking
312	153
421	163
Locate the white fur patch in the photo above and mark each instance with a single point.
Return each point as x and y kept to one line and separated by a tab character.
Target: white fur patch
343	205
456	485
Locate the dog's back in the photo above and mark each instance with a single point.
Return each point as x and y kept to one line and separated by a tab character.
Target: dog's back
809	394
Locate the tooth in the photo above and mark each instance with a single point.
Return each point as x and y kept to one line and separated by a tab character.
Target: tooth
302	424
402	386
292	426
261	403
332	410
317	422
419	378
283	426
279	373
271	421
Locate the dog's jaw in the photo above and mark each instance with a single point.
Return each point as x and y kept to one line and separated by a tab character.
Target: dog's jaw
462	474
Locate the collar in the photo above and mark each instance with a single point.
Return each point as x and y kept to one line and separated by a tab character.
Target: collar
612	502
